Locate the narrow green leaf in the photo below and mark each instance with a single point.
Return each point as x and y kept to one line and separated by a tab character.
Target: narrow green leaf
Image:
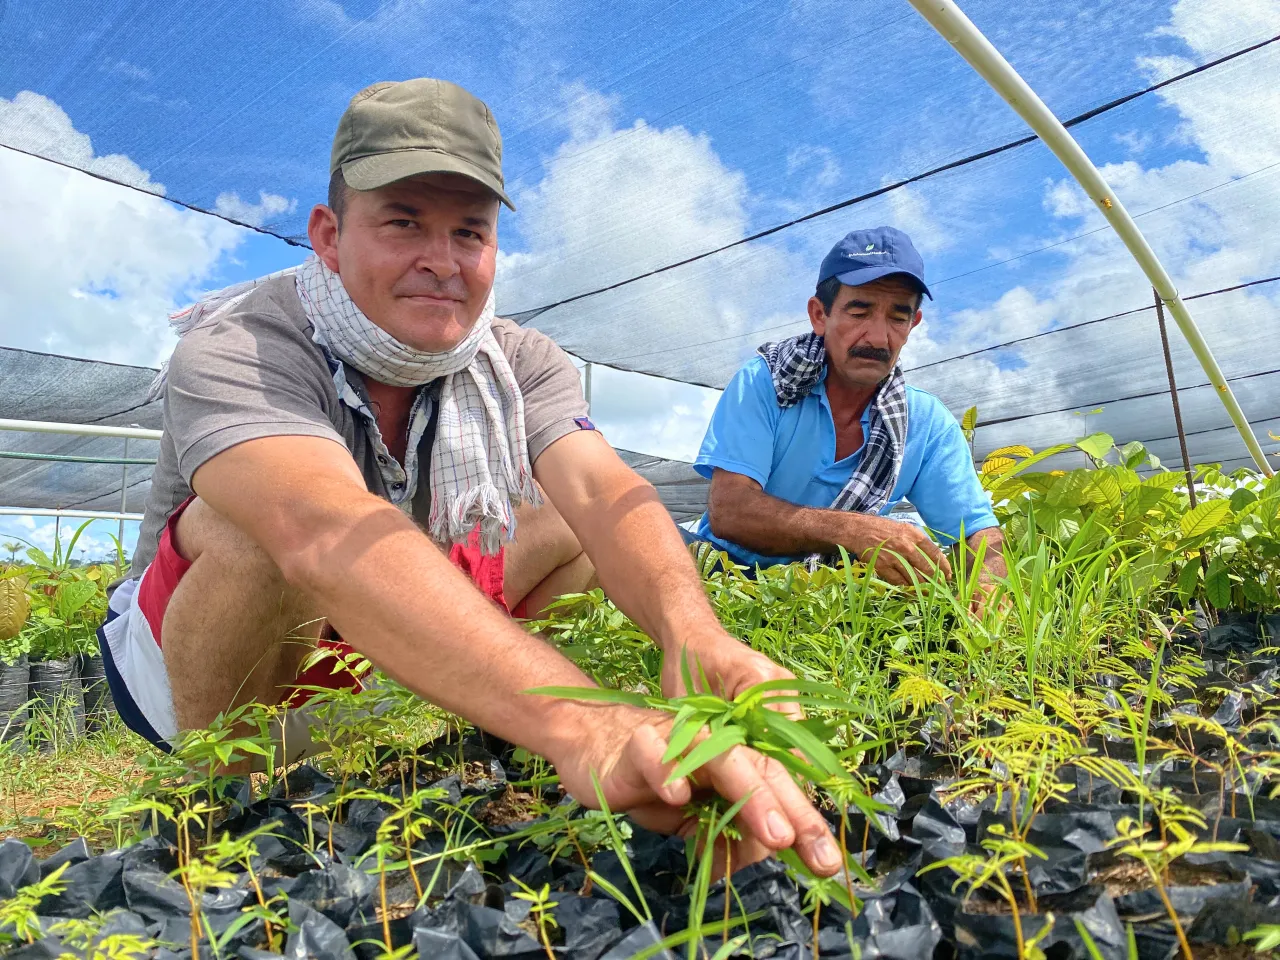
598	694
720	741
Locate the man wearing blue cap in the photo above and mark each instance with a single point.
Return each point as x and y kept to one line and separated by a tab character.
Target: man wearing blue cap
818	437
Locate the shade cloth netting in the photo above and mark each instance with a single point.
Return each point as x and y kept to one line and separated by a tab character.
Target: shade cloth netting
645	134
38	386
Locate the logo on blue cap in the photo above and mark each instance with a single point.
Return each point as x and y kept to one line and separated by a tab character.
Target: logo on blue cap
864	256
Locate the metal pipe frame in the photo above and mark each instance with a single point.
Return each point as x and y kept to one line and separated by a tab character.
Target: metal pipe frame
79	429
958	30
83	514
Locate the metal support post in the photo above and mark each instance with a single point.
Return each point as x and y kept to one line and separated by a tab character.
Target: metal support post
124	502
1173	394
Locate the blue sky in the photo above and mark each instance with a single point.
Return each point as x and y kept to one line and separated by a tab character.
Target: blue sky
637	134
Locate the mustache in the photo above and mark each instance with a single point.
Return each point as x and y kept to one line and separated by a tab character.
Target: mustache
870	353
452	289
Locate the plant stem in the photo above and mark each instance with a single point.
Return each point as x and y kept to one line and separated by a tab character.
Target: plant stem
728	874
382	896
844	854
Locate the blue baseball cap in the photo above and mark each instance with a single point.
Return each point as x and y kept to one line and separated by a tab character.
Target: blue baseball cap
867	255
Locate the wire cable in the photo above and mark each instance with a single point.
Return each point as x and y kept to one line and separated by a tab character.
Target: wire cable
1132	396
524	316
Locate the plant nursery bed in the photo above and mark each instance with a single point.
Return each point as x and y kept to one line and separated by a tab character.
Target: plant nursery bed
1088	766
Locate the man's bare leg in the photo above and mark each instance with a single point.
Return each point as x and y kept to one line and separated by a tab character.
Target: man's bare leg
234	631
545	561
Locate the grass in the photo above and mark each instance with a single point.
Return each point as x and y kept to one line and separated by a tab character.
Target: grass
46	798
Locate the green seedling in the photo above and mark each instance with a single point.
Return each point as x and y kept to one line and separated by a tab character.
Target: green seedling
993	871
1267	935
19	911
540	907
1158	855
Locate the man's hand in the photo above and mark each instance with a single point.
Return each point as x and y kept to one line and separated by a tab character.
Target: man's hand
624	746
729	664
990	543
902	546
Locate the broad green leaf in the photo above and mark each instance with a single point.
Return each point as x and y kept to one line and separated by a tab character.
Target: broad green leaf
996	464
1165	480
969	421
1189	578
1068	490
1017	450
72	596
1242	498
1097	445
1217	584
1132	454
1142	499
1106	488
1205	518
1254	592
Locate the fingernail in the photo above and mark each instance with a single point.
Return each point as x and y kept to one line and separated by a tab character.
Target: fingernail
827	852
778	831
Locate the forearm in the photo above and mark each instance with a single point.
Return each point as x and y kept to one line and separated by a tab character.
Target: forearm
391	593
765	524
642	562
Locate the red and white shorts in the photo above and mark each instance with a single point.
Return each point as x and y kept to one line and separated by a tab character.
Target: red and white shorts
131	638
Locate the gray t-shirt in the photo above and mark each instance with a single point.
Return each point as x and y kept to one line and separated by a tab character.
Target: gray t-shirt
257	372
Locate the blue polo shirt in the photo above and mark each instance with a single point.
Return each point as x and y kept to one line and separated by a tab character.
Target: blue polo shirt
791	454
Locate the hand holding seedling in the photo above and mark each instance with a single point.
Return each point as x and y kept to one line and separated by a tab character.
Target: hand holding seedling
729	665
901	553
626	752
752	755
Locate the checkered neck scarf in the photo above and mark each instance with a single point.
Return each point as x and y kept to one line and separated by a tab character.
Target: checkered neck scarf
796	365
480	470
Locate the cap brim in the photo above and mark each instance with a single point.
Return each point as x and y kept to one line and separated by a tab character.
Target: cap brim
378	170
855	278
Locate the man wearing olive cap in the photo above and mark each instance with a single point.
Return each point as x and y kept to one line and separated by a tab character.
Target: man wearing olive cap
818	437
349	448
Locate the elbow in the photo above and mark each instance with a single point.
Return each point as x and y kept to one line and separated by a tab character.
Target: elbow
315	555
722	520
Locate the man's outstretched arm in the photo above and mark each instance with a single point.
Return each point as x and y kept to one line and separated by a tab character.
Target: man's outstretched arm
642	562
741	512
396	598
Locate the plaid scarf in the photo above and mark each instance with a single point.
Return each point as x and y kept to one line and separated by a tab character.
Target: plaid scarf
796	365
480	470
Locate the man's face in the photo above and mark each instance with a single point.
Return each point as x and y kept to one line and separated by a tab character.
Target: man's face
867	328
417	256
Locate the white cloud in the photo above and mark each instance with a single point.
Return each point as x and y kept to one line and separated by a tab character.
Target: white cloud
36	124
818	164
650	415
616	203
89	268
268	207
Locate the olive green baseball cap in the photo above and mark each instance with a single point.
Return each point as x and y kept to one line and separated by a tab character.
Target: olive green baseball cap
394	130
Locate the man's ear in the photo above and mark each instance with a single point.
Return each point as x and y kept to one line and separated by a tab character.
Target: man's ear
322	231
818	316
916	322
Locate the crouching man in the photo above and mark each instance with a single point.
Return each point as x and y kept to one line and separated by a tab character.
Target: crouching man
818	437
347	449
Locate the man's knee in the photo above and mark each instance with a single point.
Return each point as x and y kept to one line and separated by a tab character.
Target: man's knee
202	532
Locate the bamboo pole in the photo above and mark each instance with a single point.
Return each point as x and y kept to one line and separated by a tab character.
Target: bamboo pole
958	30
